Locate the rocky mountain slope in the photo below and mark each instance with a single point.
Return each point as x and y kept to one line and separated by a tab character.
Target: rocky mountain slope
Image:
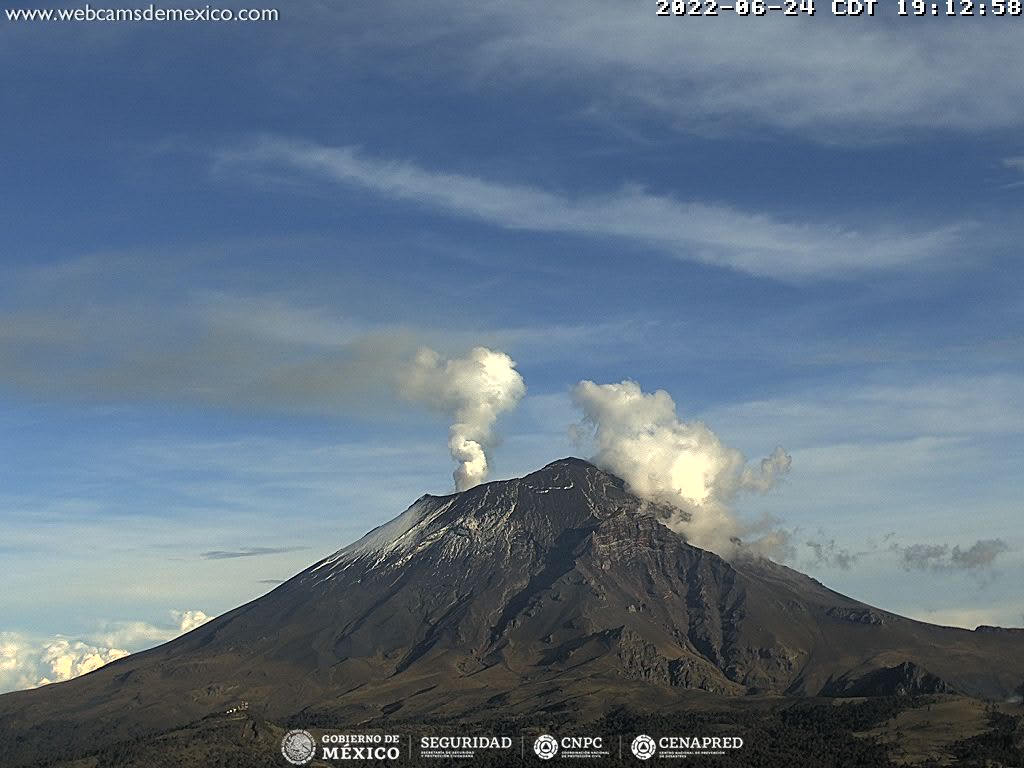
556	592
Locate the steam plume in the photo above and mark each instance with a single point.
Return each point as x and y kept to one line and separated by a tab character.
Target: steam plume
475	390
829	553
639	437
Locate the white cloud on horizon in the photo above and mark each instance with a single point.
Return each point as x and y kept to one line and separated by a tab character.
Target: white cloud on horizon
28	662
139	635
66	659
720	235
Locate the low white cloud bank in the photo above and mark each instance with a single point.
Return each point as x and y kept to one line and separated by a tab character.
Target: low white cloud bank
29	662
141	634
70	658
24	664
474	390
640	437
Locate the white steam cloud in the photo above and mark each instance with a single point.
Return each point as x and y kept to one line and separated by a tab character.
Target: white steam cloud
640	437
832	555
475	390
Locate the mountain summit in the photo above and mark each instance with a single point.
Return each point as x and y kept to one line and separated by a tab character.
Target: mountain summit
557	591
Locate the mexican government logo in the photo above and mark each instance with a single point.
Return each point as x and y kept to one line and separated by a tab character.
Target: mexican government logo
643	747
298	747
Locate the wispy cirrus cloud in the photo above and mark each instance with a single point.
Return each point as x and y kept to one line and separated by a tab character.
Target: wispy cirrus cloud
927	412
822	78
826	79
833	80
720	235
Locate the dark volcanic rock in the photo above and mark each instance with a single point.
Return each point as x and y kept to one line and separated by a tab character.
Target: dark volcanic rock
856	615
906	679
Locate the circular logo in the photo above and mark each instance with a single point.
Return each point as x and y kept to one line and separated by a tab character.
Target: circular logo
298	747
545	746
643	747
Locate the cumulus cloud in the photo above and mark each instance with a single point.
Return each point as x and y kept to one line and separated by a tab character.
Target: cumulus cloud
979	556
13	662
137	635
1016	163
475	390
640	437
189	620
29	662
70	658
27	665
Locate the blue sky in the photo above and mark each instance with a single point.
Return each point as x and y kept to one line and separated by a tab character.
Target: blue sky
219	239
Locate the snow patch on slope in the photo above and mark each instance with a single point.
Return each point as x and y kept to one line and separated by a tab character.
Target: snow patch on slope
399	535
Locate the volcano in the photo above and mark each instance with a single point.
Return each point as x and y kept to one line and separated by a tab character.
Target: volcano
558	592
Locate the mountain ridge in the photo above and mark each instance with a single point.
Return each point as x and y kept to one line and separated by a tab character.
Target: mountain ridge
558	591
